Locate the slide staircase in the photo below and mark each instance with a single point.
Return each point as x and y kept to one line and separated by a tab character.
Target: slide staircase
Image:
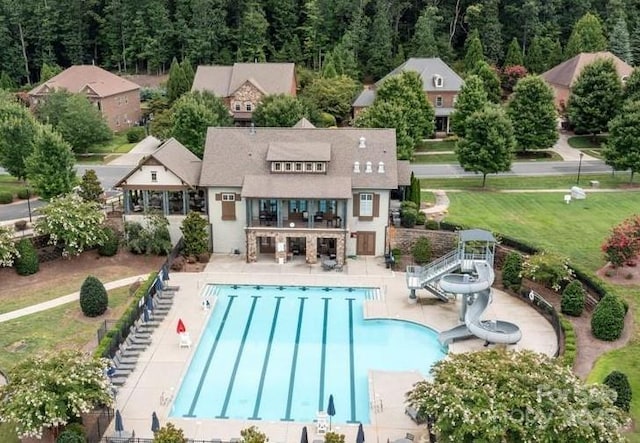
426	277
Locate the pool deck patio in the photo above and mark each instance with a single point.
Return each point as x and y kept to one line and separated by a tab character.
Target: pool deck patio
162	365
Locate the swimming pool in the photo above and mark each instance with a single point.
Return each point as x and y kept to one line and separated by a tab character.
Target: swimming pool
278	352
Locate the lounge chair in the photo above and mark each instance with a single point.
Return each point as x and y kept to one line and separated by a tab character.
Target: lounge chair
185	340
321	423
414	415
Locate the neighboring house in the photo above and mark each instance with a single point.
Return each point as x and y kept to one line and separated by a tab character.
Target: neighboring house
244	85
117	99
440	83
562	77
278	192
165	181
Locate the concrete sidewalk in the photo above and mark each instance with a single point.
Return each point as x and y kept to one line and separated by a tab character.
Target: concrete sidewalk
66	299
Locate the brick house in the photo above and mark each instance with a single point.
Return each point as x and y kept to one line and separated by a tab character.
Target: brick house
562	77
243	85
440	83
117	99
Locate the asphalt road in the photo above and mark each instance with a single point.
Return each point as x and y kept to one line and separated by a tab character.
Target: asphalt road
108	176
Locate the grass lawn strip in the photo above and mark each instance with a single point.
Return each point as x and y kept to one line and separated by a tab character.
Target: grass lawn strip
11	184
586	141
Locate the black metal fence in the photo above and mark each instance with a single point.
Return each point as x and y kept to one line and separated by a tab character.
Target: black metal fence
96	422
134	439
540	304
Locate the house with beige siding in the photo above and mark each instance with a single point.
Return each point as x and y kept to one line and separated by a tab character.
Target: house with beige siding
440	83
244	85
118	99
164	182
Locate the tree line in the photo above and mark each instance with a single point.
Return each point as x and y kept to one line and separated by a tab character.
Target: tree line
367	38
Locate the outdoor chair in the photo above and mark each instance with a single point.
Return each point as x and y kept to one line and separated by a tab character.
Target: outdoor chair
413	415
185	340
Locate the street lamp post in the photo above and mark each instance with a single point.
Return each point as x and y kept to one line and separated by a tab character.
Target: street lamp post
29	202
579	168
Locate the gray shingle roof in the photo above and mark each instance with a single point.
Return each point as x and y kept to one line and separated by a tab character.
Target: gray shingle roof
304	123
404	173
302	151
222	81
428	68
231	154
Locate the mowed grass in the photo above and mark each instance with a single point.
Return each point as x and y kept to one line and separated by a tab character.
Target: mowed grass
586	141
9	183
118	144
436	146
502	182
434	158
575	230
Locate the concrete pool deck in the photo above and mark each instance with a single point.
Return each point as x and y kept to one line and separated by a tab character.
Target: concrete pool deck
162	365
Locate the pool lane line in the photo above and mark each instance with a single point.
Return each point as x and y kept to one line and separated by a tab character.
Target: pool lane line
323	355
232	380
294	361
265	363
352	368
205	371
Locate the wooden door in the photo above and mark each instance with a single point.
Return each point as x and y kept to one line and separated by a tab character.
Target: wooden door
366	243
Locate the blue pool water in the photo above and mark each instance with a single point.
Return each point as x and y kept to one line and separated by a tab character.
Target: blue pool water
277	353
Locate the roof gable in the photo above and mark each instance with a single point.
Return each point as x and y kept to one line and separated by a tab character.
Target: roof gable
566	73
222	81
79	77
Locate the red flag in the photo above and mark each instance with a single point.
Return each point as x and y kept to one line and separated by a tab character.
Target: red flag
181	328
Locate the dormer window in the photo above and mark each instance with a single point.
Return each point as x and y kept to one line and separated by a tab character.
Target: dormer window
248	107
287	167
362	143
308	167
356	167
238	107
277	166
368	168
319	167
438	81
381	168
298	167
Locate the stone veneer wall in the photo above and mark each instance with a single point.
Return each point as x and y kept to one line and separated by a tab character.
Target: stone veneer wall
442	242
282	235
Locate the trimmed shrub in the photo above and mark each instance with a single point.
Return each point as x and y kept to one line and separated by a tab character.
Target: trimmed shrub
169	433
570	346
421	218
24	193
72	434
6	197
512	270
432	225
135	134
27	262
607	321
93	297
421	250
619	382
407	204
408	218
110	246
572	302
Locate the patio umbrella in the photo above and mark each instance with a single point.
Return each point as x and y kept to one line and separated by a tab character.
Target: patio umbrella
331	409
360	436
181	328
145	315
305	437
155	423
119	425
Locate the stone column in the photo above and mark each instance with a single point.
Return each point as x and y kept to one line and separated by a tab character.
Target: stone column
312	248
252	247
340	249
281	255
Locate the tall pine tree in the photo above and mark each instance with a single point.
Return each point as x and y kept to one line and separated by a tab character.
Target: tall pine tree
474	53
514	54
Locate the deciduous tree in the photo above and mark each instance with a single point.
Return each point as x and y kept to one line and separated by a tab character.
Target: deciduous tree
488	144
532	406
631	91
622	148
472	98
333	96
424	43
533	114
194	233
278	110
490	81
595	97
587	36
8	249
17	134
73	223
474	53
49	391
50	165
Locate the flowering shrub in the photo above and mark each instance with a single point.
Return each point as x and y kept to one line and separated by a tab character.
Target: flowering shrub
500	396
510	75
624	242
47	391
75	223
8	249
548	269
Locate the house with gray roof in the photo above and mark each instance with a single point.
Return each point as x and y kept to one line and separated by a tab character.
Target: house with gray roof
244	85
440	83
165	181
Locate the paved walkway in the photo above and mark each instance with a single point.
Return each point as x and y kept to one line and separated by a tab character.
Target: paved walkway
66	299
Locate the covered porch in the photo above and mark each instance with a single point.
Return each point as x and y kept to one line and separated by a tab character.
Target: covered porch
297	213
173	201
283	245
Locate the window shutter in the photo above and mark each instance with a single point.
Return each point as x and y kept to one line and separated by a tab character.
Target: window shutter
238	197
376	205
228	210
356	205
219	197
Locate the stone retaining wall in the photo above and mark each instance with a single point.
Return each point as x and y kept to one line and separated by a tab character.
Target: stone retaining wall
442	242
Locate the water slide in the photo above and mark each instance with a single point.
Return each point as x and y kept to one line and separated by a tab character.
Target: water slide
492	331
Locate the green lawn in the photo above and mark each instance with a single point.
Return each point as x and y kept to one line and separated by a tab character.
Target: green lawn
443	154
435	146
498	182
583	142
575	230
8	183
434	158
118	144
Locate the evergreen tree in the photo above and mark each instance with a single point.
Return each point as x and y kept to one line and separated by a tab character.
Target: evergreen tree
619	40
472	98
380	42
488	145
595	97
587	36
635	45
474	53
177	83
484	18
514	54
535	60
631	90
533	114
332	95
252	34
490	81
90	187
423	43
188	72
329	68
622	148
48	71
50	165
